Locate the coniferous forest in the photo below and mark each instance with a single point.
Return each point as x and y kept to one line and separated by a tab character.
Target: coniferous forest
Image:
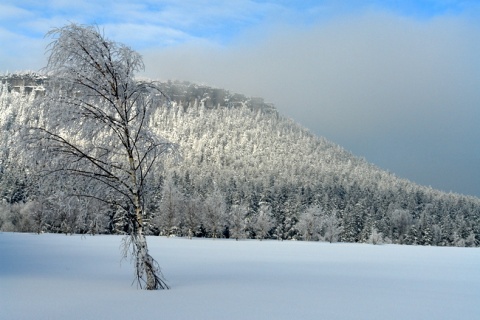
238	170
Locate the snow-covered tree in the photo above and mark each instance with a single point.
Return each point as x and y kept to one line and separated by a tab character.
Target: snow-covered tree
471	241
214	214
331	227
94	128
169	213
375	237
238	221
400	221
309	223
191	217
263	222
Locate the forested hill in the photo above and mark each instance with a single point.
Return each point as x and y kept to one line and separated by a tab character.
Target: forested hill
244	171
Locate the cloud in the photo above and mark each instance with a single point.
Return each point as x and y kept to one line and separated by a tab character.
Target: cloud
9	12
22	53
145	34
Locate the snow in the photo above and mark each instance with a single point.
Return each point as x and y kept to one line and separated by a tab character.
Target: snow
73	277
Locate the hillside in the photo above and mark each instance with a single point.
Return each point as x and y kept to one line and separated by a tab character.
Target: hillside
244	171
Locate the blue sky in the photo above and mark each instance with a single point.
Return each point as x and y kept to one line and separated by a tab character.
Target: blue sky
396	82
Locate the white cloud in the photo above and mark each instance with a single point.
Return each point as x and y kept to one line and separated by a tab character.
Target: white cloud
145	35
22	53
10	12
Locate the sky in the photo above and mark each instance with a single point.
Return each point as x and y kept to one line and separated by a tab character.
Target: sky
394	82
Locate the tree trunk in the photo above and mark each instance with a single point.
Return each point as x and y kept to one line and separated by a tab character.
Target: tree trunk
147	268
145	263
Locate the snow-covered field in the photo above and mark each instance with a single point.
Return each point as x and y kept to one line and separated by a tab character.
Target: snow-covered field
72	277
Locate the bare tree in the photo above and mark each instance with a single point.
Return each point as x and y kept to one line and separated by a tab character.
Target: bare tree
95	130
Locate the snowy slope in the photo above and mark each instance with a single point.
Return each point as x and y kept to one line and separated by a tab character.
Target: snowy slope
250	158
70	277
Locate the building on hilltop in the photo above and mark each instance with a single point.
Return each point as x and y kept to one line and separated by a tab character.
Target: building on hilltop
24	84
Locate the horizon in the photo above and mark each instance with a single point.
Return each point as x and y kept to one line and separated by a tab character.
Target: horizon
394	83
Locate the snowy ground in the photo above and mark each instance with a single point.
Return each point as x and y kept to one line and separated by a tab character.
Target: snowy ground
70	277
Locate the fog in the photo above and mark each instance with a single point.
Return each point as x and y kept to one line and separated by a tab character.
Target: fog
403	93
